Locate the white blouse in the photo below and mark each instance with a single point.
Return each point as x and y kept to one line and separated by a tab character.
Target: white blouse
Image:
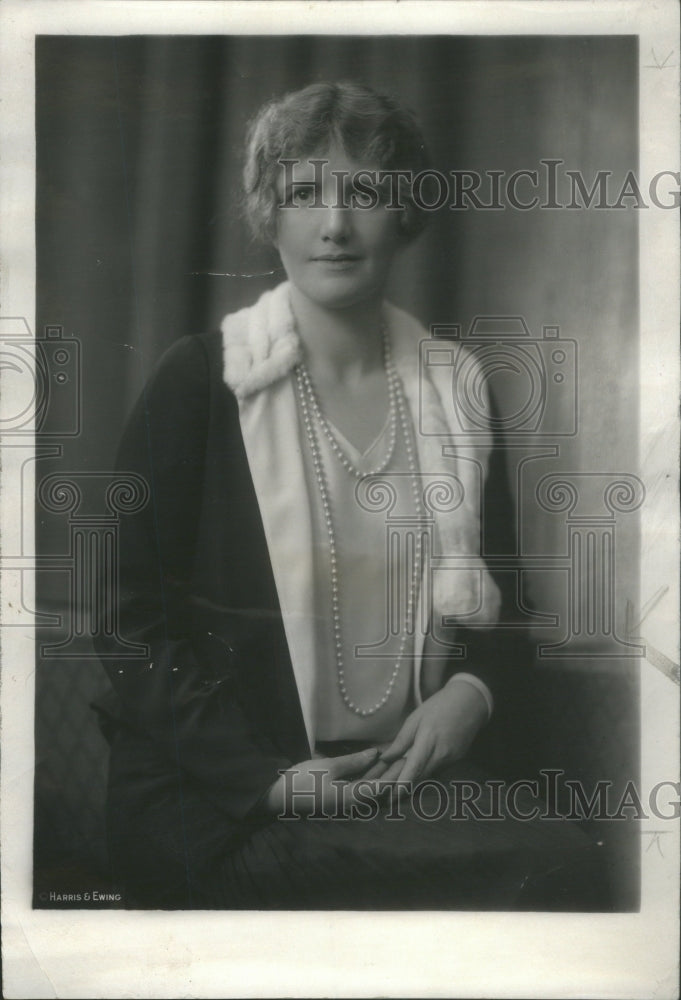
368	581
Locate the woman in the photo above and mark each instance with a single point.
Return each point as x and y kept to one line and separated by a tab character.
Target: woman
282	574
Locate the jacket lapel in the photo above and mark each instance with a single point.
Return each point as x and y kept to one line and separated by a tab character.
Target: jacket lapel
268	422
260	346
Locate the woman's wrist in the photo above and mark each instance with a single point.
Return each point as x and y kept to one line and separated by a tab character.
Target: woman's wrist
480	687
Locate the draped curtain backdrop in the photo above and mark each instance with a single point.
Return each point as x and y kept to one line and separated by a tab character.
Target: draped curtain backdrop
139	146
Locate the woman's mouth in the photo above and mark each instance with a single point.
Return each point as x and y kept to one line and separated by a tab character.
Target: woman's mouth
336	259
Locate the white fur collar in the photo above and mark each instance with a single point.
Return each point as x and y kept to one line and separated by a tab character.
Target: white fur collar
261	343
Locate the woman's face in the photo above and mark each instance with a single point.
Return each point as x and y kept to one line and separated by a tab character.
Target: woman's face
338	254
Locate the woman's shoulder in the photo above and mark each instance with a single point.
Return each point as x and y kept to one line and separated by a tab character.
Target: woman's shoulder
184	368
250	348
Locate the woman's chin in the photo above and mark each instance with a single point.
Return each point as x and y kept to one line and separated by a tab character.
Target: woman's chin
338	297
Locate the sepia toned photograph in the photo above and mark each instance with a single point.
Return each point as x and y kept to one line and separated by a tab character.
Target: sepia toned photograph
328	444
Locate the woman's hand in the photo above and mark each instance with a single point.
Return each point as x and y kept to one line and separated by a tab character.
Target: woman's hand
438	732
323	784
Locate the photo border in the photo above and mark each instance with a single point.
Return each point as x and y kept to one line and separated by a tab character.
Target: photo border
226	953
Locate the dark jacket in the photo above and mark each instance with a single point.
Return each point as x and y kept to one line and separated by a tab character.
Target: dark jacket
217	695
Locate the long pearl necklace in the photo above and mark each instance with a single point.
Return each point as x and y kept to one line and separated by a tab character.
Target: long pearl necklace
338	450
309	406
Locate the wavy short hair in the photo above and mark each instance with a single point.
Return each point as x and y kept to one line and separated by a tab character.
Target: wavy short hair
372	128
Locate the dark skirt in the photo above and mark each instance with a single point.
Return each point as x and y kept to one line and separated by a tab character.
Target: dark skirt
172	847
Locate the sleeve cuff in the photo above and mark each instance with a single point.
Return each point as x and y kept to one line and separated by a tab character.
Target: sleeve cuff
480	685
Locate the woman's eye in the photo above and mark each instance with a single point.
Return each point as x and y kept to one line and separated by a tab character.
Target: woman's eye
365	199
302	194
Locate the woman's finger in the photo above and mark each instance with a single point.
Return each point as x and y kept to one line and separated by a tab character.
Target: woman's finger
350	764
416	759
402	741
391	774
377	770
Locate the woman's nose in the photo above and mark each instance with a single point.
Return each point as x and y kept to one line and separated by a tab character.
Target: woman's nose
336	223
